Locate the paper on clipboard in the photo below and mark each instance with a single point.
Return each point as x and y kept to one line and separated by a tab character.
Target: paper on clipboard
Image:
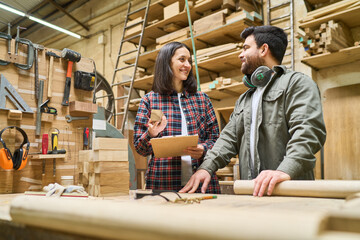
173	146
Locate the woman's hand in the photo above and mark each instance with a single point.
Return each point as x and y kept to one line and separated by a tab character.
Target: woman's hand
155	128
195	152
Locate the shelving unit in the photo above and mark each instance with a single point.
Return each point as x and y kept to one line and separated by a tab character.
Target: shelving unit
213	66
325	60
217	64
347	55
155	30
221	35
350	17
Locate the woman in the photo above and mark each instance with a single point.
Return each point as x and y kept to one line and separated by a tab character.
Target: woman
186	112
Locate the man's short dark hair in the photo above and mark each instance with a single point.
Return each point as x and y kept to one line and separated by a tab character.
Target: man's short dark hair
273	36
163	74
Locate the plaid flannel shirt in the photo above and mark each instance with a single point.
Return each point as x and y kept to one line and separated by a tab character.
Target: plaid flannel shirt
165	173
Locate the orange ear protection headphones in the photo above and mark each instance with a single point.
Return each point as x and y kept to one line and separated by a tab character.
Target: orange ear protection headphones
259	78
19	159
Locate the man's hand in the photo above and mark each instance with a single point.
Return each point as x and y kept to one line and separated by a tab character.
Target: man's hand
267	180
155	128
195	152
200	176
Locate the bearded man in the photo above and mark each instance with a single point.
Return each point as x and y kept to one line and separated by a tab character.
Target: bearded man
276	127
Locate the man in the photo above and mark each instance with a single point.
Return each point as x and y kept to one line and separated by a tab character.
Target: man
277	125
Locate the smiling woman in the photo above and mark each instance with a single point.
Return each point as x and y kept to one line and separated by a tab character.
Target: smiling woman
174	93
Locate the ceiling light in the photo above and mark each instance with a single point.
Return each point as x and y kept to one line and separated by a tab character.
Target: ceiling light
10	9
3	6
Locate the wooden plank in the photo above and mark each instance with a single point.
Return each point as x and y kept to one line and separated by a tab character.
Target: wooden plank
174	36
171	10
220	93
212	21
109	167
124	219
110	179
110	155
348	16
47	156
302	188
14	114
110	144
144	83
343	56
342	124
78	108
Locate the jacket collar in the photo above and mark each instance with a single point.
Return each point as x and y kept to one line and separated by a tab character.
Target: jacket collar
279	69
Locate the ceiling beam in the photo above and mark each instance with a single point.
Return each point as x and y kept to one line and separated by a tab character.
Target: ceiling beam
68	14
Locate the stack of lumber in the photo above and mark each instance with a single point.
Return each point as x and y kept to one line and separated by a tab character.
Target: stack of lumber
227	173
109	170
329	37
206	53
178	35
330	9
85	157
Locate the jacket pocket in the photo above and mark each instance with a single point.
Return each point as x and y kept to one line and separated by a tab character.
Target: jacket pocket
273	107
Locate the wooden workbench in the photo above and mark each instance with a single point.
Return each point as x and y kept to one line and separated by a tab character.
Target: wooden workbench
227	217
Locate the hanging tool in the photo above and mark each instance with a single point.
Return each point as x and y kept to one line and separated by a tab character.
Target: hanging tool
37	48
44	143
8	38
44	108
30	53
7	91
38	111
86	137
84	80
70	118
44	149
51	55
54	147
72	57
54	141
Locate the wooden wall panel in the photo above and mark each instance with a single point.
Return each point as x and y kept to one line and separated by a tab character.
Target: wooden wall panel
70	137
341	151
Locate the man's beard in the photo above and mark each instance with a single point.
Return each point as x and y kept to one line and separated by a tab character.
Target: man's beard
251	64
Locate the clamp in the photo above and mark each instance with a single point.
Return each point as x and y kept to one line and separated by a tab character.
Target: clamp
8	38
30	53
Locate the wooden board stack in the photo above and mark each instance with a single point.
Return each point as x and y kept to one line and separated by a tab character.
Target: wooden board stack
329	37
109	171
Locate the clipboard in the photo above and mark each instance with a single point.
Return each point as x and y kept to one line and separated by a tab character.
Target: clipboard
173	146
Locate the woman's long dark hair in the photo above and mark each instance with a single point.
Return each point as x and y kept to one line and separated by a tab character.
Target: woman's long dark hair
163	74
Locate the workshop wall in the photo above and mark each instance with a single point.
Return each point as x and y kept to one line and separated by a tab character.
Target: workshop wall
40	172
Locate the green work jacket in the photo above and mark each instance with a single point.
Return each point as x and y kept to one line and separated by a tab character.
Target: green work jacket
290	129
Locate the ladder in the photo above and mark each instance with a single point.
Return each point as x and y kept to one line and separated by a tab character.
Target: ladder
121	54
290	18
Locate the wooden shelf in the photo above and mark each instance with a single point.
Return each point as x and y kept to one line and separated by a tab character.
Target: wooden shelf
233	90
144	83
47	156
155	30
325	60
350	17
221	35
222	63
216	64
